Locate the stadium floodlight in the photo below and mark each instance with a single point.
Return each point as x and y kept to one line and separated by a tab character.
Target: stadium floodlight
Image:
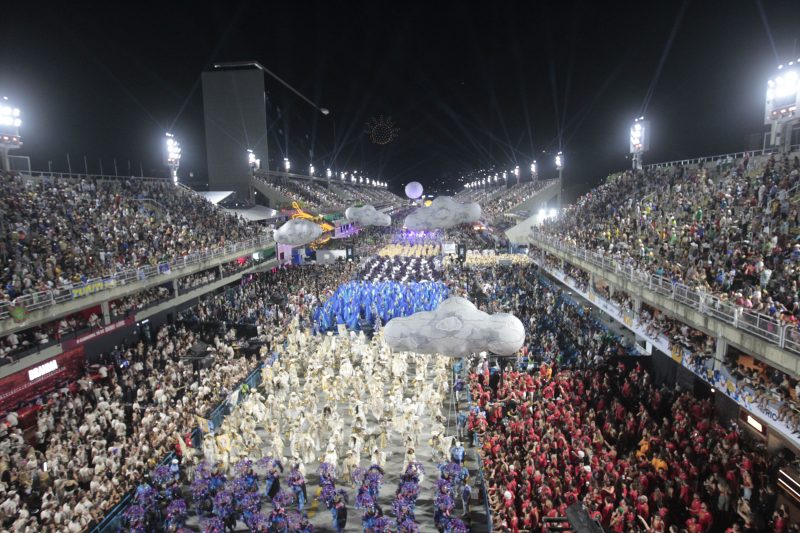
782	102
546	214
9	116
10	122
173	156
328	173
253	162
639	140
505	176
310	170
560	168
286	164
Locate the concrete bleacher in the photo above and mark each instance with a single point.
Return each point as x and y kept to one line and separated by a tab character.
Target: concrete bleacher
318	195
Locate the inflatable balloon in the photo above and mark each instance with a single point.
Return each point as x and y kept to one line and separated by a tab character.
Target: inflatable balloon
367	216
443	213
297	232
414	190
456	328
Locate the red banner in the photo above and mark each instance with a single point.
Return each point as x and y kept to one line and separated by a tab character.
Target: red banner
99	332
40	378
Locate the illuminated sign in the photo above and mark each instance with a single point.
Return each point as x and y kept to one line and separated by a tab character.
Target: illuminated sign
41	370
755	423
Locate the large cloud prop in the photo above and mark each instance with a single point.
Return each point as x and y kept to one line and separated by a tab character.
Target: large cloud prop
367	216
443	213
297	232
456	328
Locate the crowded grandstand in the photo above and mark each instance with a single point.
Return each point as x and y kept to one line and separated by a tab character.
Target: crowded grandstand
269	350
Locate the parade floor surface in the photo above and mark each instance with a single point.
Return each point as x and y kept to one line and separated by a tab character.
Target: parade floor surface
321	518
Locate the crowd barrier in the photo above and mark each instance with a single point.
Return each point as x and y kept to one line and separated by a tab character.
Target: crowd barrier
786	336
733	156
113	520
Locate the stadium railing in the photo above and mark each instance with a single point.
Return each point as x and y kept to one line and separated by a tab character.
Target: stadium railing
43	299
75	175
712	158
763	326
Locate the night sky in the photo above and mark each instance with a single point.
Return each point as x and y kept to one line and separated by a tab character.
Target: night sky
467	87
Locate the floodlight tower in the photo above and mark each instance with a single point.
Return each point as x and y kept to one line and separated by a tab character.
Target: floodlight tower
10	139
253	163
560	168
533	170
783	99
639	141
173	156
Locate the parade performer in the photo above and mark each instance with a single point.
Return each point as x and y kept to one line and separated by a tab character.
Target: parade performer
297	482
274	469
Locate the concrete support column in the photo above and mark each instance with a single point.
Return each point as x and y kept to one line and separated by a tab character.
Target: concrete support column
721	352
637	304
106	312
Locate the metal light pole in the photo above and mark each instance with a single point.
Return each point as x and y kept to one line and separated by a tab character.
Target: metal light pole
10	139
560	167
173	157
253	163
640	141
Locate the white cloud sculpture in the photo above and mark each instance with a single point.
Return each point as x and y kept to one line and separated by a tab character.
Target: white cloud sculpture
297	232
443	213
456	328
367	216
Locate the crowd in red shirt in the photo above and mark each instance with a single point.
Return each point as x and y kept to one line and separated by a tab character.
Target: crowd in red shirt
640	458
